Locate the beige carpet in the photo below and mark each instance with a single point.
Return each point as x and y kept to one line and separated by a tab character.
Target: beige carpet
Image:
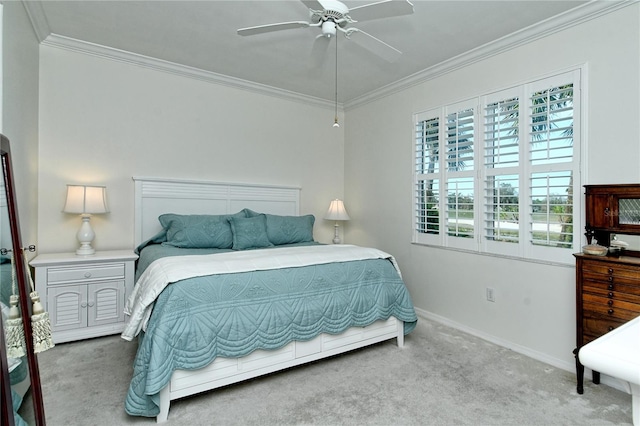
441	377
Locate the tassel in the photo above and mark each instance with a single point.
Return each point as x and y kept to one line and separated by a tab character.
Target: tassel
14	329
40	322
41	325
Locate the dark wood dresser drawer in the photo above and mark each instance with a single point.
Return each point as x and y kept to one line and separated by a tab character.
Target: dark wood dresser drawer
594	327
600	267
613	292
608	308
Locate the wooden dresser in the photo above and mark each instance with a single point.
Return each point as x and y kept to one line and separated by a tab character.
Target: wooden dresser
607	287
607	296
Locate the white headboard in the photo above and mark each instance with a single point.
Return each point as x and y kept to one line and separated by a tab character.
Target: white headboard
155	196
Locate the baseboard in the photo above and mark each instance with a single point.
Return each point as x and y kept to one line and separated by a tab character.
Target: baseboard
539	356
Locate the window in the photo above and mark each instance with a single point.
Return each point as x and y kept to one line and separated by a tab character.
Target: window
497	173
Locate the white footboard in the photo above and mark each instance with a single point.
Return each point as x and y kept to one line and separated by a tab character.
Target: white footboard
225	371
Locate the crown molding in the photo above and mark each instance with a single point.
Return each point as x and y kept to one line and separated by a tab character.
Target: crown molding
579	15
38	19
92	49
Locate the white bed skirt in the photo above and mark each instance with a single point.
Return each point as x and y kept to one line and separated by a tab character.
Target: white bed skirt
226	371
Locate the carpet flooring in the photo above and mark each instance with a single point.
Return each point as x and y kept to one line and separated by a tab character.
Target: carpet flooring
441	377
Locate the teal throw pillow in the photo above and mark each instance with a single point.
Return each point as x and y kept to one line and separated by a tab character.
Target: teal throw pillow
198	231
249	232
287	229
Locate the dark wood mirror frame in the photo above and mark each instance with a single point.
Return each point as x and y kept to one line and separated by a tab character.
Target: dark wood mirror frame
25	304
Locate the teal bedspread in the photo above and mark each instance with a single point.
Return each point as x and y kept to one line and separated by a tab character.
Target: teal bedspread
230	315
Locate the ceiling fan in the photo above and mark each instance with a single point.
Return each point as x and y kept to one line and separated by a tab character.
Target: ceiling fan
332	16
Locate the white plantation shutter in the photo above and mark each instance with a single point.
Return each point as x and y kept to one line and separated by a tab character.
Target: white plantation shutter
497	173
501	132
502	172
551	125
459	219
502	208
553	129
427	182
460	137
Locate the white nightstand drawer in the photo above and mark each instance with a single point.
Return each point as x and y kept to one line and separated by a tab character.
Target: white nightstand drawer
84	273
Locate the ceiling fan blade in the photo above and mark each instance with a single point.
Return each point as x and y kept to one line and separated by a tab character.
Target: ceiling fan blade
377	46
381	9
260	29
313	4
319	50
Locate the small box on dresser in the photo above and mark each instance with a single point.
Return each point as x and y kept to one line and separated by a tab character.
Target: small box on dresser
85	295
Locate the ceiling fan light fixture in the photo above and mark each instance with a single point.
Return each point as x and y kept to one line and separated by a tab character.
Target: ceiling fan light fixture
329	28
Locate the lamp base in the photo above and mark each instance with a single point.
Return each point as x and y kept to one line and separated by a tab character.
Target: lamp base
336	237
85	250
85	236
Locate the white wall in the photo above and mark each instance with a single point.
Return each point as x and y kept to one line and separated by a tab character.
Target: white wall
103	121
534	310
20	110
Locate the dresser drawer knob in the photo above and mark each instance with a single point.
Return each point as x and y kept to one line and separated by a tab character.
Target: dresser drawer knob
610	279
610	295
610	286
611	270
610	311
87	274
611	327
83	304
610	303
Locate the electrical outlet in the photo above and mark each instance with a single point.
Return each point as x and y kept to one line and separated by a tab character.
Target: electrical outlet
491	297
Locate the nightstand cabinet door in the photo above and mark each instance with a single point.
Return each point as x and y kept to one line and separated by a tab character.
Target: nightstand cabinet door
85	295
65	304
105	303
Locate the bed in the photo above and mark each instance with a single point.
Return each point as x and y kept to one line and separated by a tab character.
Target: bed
230	285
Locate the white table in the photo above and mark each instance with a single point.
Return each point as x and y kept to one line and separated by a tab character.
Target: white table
617	354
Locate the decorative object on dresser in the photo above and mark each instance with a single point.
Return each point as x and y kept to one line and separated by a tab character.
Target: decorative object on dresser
607	283
86	200
85	295
336	212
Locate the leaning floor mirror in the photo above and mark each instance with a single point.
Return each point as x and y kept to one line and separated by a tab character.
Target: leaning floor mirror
21	396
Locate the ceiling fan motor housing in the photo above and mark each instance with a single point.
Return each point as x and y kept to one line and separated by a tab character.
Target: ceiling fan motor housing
334	11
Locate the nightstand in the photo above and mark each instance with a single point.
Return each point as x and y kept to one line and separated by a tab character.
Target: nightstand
84	295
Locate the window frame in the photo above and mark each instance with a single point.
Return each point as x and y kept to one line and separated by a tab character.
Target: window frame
481	242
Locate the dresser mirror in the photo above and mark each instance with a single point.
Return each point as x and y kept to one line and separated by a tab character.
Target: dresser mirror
631	243
20	376
613	216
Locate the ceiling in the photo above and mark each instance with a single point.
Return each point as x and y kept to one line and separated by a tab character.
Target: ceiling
202	35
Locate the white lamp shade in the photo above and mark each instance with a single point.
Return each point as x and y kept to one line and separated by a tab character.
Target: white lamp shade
83	199
336	211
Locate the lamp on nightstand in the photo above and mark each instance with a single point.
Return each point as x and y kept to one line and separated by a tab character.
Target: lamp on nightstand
336	212
86	200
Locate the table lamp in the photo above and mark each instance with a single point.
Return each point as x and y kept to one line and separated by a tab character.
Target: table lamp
86	200
336	212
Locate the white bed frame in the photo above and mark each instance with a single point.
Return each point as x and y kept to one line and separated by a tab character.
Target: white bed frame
155	196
